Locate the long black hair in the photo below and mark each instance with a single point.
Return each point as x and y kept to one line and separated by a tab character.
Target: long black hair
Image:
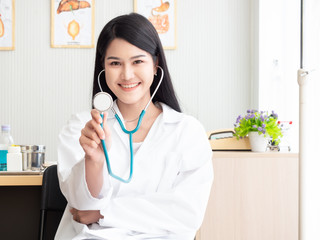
137	30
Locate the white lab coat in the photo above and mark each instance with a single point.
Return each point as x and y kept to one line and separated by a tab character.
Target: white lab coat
169	191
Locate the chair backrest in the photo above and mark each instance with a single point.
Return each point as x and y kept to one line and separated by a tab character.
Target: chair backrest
53	203
52	198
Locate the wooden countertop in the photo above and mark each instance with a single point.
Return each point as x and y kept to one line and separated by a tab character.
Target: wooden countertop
36	180
21	180
249	154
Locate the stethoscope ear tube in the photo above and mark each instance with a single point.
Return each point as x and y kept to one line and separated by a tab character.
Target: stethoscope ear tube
99	103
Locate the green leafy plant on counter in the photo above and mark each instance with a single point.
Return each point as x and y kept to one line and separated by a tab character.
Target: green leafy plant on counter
261	122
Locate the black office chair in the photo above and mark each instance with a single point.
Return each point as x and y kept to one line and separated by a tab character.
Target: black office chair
53	204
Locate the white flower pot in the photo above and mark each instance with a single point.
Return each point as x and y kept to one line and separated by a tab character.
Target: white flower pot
258	142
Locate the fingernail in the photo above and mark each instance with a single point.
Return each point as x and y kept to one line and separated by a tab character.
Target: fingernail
103	137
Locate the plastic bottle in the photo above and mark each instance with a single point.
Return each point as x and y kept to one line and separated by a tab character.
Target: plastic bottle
5	141
14	159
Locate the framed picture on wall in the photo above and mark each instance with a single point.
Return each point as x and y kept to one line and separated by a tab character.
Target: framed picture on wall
7	24
72	23
162	14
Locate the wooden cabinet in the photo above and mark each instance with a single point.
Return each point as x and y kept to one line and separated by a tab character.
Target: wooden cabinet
254	197
20	197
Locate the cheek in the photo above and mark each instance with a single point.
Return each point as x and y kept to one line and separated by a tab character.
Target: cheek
149	77
110	80
110	77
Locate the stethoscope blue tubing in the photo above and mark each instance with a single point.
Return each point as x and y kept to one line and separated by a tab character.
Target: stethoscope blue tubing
131	148
127	132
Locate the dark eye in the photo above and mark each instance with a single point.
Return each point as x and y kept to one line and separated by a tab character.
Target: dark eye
114	63
137	61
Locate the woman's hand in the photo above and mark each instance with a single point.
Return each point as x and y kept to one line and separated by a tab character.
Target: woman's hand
90	140
91	136
86	217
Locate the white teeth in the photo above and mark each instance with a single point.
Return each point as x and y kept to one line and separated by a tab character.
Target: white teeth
130	85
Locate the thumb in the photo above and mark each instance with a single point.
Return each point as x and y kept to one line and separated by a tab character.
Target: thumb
104	121
106	130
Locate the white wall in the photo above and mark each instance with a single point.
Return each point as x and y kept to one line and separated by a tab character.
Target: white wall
309	198
279	59
40	87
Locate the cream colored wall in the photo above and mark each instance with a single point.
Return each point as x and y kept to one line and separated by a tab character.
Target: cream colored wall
211	68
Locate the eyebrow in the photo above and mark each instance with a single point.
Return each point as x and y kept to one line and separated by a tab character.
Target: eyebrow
134	57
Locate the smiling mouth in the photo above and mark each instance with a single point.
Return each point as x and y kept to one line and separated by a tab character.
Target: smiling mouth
128	86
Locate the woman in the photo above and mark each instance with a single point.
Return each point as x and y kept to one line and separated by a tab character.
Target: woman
172	176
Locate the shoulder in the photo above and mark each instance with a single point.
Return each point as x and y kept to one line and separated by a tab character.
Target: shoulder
76	122
188	122
84	116
187	128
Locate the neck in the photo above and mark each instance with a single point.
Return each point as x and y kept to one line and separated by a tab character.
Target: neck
131	112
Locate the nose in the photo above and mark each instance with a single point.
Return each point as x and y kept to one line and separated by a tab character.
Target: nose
127	73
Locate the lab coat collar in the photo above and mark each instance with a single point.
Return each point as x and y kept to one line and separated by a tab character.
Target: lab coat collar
169	114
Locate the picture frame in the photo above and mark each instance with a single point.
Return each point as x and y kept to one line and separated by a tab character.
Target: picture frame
163	15
72	23
7	24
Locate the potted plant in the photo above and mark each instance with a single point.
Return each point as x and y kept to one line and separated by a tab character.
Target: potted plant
260	126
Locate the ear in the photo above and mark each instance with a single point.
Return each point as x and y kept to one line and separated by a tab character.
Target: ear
155	67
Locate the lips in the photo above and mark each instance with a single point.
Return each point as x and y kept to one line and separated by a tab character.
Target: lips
129	86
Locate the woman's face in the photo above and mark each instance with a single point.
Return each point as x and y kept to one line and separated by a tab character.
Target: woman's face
129	72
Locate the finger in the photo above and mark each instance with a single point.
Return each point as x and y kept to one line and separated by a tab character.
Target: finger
107	131
95	114
105	125
96	126
90	153
93	126
76	218
105	117
72	210
88	144
90	133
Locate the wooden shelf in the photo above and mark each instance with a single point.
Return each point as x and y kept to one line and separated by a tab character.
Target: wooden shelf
21	180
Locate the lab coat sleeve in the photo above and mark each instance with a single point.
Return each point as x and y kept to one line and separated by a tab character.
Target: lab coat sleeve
179	208
71	168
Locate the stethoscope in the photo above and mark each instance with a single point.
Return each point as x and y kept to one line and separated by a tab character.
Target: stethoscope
102	102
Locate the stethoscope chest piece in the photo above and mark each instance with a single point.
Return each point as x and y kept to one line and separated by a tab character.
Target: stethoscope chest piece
102	101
